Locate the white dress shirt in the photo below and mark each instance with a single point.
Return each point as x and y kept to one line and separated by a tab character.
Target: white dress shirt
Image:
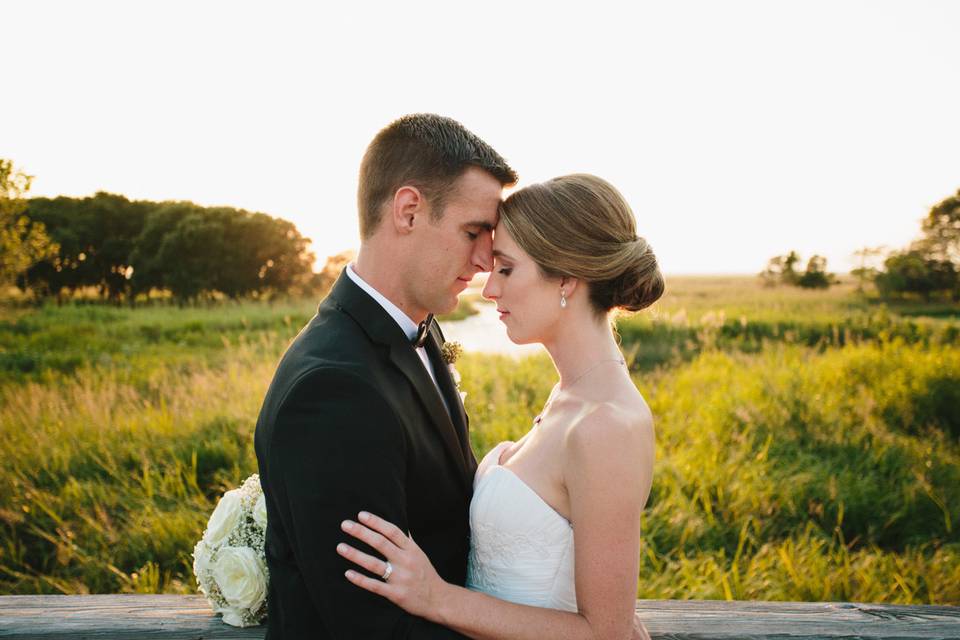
409	326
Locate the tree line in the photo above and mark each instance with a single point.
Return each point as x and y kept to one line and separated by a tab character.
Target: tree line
23	242
127	249
928	268
783	270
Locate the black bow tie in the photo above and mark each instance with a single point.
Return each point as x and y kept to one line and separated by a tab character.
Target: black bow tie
422	332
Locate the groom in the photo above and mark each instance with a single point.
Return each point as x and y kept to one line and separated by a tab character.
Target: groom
362	412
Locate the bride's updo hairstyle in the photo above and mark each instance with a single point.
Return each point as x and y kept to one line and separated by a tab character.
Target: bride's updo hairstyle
579	225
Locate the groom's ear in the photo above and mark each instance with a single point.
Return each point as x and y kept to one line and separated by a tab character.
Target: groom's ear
408	204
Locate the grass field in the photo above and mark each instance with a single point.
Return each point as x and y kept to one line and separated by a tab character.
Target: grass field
808	442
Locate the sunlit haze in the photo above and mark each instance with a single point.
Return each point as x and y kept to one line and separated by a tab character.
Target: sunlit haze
736	130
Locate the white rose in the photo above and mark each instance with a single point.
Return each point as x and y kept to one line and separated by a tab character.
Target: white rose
201	560
241	576
260	512
224	518
232	617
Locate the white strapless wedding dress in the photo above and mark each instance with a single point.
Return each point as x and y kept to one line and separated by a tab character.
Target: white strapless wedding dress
521	550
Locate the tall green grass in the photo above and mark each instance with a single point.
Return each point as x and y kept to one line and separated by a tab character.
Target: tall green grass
810	452
105	475
837	463
658	340
73	337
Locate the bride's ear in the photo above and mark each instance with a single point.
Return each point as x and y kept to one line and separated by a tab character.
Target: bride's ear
568	284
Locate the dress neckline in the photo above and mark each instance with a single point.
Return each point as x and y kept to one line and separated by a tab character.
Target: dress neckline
496	465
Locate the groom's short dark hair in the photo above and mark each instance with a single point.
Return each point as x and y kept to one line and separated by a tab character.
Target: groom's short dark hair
428	152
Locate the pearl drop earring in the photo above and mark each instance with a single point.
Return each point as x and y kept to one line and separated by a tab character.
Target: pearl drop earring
563	299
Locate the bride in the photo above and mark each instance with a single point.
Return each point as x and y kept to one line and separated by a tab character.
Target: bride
555	517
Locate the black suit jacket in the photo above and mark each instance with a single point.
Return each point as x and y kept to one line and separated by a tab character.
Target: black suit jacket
352	421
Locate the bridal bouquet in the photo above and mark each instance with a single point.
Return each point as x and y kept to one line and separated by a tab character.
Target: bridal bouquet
229	562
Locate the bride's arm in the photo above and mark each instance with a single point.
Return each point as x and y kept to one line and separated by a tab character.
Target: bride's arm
607	470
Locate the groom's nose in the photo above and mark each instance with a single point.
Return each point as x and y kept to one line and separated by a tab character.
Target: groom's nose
482	257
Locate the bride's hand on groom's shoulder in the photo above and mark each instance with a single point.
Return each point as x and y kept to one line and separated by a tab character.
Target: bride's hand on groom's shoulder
411	581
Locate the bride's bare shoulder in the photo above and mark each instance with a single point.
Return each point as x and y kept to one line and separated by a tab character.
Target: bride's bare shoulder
610	450
621	425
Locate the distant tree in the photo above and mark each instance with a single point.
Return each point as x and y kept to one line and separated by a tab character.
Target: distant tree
790	275
127	249
865	271
941	231
930	266
336	263
194	251
912	272
114	223
192	255
816	276
332	269
782	270
771	275
279	256
149	271
96	236
57	272
23	242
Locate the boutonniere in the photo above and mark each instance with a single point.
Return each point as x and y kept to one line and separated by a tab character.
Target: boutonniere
450	351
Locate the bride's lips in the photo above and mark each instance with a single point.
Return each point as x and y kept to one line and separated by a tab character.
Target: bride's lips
503	313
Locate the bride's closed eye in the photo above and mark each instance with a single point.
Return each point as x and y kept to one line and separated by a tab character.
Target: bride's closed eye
505	270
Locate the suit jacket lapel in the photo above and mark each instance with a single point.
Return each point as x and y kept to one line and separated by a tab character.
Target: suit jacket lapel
381	328
407	360
449	388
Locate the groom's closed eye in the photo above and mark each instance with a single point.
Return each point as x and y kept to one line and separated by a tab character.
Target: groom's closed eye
474	229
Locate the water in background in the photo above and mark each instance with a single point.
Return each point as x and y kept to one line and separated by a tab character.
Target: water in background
484	332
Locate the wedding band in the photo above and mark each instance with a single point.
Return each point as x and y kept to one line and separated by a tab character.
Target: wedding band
386	574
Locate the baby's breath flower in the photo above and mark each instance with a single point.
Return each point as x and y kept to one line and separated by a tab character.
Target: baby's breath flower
450	351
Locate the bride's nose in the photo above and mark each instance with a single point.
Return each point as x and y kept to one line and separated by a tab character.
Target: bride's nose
491	291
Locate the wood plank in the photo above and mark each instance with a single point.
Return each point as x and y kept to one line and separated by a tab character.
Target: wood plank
180	617
115	616
722	620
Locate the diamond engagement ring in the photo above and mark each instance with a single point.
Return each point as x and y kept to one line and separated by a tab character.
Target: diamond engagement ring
386	574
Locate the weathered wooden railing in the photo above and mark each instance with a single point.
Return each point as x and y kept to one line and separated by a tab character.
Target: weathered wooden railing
177	617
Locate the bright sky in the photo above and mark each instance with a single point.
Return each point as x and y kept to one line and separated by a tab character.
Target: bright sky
737	130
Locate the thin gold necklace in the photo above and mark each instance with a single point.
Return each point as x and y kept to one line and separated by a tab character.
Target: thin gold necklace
546	405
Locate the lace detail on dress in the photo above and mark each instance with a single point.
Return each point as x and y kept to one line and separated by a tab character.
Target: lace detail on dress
500	548
521	550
